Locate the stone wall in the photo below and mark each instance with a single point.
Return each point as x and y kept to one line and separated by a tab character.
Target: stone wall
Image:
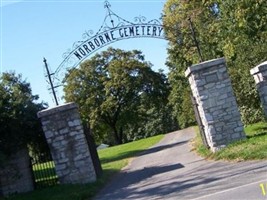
211	87
260	76
66	139
17	176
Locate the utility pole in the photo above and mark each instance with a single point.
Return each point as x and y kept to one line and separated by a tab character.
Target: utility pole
50	82
195	39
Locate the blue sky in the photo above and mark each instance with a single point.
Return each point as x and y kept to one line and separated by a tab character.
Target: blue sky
31	30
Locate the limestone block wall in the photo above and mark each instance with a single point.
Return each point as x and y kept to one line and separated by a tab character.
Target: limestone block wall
211	87
65	136
17	176
260	76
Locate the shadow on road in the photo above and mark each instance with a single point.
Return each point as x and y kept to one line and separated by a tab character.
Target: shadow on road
161	148
135	178
129	154
178	173
143	183
147	172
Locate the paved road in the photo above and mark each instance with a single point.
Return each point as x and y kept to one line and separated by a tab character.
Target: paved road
170	170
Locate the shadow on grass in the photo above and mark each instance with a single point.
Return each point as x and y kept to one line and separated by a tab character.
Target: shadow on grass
260	127
66	191
257	135
129	154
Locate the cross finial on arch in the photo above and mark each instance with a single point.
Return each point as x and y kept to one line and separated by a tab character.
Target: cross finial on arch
107	4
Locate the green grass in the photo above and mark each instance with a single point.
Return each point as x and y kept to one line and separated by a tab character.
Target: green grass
252	148
113	159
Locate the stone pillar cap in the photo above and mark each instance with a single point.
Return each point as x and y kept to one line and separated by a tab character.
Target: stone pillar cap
204	65
56	109
259	68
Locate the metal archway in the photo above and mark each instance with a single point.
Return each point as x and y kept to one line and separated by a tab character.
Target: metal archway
114	28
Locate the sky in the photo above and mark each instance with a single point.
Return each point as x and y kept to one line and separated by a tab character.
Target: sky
31	30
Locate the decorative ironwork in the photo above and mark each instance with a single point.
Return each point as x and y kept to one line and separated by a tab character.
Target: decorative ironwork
140	19
107	5
155	21
52	87
114	28
88	34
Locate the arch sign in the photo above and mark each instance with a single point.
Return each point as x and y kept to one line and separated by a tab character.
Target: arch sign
114	28
118	33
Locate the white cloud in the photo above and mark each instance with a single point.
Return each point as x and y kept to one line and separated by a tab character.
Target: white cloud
9	2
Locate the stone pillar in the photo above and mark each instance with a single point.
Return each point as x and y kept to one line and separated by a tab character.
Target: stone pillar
260	76
66	139
211	87
17	175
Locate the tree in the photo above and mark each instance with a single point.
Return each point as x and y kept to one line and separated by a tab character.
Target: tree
19	125
183	51
243	40
233	29
114	91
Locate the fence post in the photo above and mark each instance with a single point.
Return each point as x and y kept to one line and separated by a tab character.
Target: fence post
66	139
260	76
212	89
16	176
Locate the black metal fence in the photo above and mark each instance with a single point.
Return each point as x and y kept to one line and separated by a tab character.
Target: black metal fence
43	170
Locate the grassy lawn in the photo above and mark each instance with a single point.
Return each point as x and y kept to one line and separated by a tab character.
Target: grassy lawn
112	160
253	148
